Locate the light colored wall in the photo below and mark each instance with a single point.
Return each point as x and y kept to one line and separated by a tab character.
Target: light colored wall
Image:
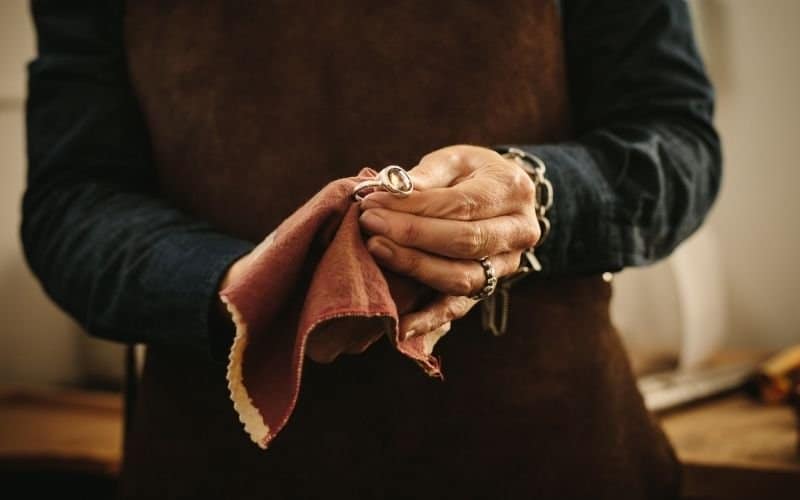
38	343
741	268
753	51
35	336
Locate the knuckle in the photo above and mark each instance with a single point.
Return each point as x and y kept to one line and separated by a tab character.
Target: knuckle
429	157
460	147
452	310
533	236
529	240
457	308
482	240
429	321
483	201
527	234
462	285
473	150
533	233
522	233
455	155
469	242
465	206
408	233
522	185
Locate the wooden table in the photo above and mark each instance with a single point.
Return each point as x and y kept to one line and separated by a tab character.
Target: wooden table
60	430
732	447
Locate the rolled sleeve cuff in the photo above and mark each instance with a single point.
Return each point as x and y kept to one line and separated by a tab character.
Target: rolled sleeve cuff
194	264
583	238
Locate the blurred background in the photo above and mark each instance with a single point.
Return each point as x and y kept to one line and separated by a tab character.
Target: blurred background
735	284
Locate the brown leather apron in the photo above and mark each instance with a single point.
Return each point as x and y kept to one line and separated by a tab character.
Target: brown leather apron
252	107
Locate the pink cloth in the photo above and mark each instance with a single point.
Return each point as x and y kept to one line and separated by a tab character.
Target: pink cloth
311	276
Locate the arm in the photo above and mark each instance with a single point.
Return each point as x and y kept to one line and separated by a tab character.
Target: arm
639	178
112	254
645	166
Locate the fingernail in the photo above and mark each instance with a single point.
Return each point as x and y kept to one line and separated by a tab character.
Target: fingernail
373	222
408	334
379	250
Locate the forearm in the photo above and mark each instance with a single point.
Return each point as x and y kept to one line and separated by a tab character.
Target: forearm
125	265
626	195
105	245
644	166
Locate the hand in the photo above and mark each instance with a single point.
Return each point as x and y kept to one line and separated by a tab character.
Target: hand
469	202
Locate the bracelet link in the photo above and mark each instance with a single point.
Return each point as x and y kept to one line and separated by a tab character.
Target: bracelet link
544	195
494	315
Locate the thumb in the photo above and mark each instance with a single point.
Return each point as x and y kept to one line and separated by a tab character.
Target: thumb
439	169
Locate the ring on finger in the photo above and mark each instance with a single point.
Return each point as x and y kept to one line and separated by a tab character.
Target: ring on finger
490	285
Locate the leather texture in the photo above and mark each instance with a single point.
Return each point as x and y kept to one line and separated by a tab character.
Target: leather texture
252	108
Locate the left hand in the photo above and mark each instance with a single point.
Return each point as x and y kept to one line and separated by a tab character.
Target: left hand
468	202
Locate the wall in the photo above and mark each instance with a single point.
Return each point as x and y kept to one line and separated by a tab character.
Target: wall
753	51
738	277
38	343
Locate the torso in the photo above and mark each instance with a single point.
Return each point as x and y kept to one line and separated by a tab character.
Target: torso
252	107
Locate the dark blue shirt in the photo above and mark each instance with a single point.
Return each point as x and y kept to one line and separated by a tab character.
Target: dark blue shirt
638	178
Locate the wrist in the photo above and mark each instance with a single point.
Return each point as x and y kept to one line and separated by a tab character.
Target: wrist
543	189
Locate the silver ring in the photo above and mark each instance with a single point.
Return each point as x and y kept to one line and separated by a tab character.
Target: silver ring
393	179
491	279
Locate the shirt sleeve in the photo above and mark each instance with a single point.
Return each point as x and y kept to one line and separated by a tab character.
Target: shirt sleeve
105	246
645	165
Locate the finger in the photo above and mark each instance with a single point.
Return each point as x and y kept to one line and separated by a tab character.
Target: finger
438	169
431	338
444	167
441	168
453	238
494	190
442	310
449	276
441	330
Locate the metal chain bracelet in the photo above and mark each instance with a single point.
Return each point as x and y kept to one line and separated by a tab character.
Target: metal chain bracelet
494	316
535	168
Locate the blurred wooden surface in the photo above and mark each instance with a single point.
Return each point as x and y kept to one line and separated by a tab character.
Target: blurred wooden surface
60	430
733	447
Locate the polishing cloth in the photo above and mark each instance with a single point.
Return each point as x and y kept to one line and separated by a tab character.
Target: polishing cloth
312	276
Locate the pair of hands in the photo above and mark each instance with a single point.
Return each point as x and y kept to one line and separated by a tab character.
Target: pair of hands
468	202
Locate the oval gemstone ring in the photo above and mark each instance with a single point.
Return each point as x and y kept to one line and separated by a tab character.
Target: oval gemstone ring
393	179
